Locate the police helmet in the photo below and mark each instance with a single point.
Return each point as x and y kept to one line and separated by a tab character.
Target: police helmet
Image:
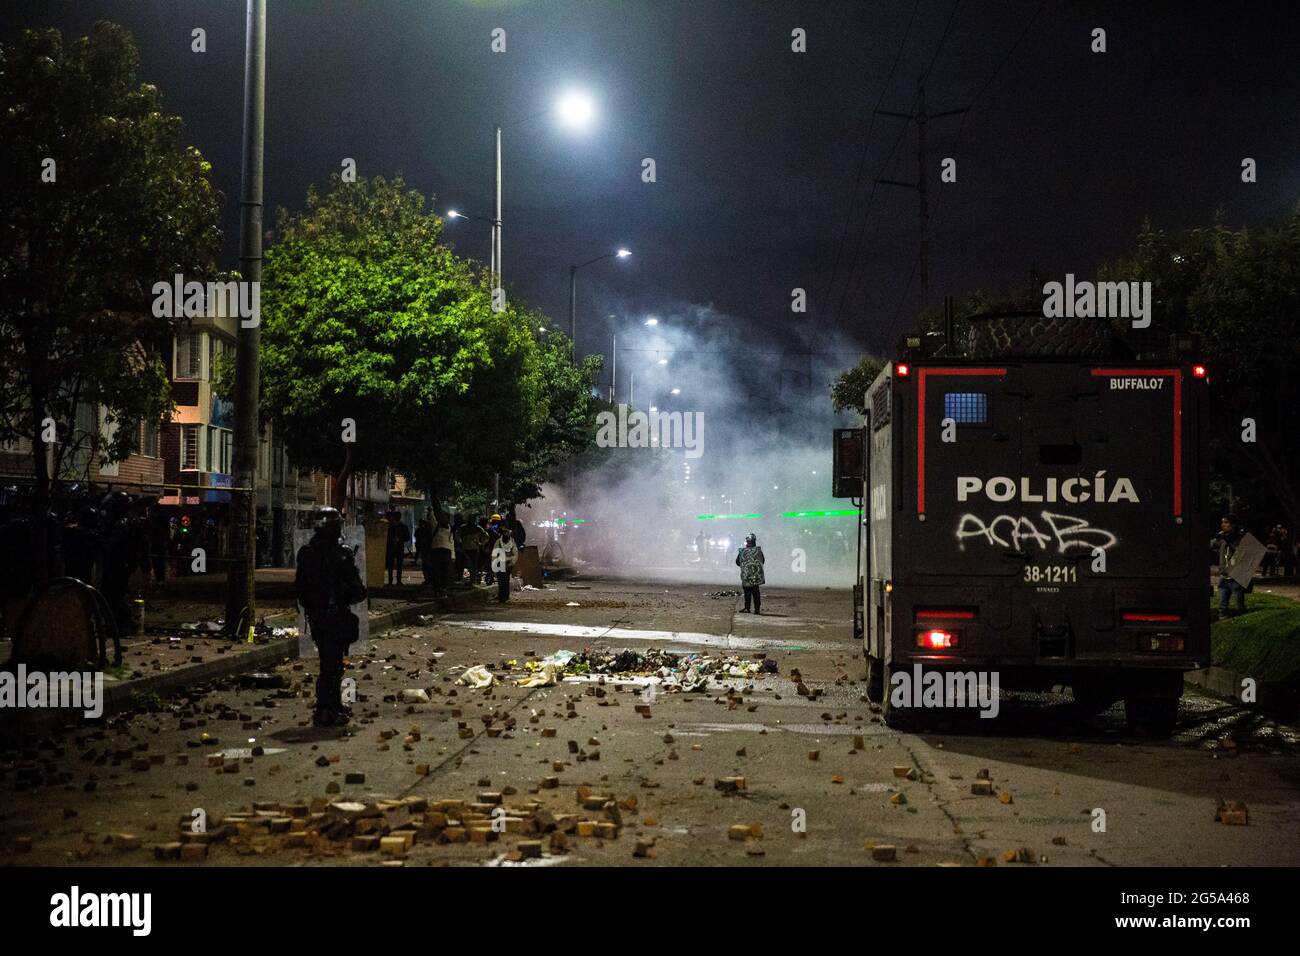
327	517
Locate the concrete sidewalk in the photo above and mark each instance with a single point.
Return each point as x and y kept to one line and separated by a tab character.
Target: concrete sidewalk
177	651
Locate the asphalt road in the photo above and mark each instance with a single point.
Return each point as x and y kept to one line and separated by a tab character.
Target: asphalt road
1049	775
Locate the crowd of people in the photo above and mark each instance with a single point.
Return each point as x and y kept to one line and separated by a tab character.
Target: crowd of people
101	541
480	549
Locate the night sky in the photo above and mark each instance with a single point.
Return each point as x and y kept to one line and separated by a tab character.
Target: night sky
757	148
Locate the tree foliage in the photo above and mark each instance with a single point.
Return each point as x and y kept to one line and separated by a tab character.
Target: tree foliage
101	201
1239	290
849	390
369	318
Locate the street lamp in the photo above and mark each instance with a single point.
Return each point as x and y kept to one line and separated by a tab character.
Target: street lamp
573	290
613	375
576	110
453	214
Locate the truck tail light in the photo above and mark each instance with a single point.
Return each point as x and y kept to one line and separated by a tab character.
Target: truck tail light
936	640
1151	617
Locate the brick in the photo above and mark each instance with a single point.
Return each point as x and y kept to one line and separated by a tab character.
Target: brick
194	852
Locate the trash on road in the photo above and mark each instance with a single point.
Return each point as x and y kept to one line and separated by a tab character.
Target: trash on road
477	676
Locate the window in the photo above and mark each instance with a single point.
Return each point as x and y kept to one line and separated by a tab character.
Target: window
189	448
149	438
189	355
966	408
221	450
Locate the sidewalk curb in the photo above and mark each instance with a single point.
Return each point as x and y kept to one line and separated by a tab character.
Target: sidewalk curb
20	723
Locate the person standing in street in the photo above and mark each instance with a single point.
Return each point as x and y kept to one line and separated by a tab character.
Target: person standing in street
423	544
750	561
474	540
398	536
1227	541
443	550
328	583
504	556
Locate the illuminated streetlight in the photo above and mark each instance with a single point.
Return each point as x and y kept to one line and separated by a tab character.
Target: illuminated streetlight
678	391
576	109
652	321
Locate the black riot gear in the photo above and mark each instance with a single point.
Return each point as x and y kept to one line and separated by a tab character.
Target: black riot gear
328	583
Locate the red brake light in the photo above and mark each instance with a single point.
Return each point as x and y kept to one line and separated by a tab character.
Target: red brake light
1152	617
1198	371
944	614
936	640
903	369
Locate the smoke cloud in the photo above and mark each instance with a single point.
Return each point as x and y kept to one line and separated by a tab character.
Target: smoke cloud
766	456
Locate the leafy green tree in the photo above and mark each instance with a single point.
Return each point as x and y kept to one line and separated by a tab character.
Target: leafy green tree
102	200
849	390
371	323
566	425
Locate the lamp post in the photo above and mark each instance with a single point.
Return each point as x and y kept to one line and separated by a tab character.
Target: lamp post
573	291
613	354
575	109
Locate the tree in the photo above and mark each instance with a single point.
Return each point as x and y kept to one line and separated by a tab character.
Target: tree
374	330
102	202
1240	292
567	423
849	390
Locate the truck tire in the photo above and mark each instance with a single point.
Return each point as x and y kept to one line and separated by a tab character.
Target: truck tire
1151	710
875	680
1030	334
1151	716
1090	699
899	718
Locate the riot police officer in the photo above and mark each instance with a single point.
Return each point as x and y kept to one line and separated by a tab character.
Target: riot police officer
328	583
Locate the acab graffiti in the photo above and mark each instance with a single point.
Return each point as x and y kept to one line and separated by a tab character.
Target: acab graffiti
1014	531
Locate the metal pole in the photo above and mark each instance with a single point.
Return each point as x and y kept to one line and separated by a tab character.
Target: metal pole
573	308
613	370
920	188
496	226
240	584
631	394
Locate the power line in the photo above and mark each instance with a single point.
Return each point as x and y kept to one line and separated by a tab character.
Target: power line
862	162
917	102
957	141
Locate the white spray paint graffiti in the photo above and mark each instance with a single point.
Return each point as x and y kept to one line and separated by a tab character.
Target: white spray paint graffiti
1013	531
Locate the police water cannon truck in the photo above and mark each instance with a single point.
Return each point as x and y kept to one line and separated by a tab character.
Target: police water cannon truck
1037	519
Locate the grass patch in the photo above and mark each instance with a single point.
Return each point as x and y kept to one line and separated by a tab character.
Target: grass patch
1263	643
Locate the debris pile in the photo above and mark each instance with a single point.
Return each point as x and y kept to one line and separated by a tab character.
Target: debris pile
392	827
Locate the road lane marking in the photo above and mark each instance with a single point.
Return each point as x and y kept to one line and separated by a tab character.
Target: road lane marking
728	641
